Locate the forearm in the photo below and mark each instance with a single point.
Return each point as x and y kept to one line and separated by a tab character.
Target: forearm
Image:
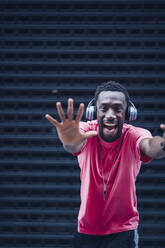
155	147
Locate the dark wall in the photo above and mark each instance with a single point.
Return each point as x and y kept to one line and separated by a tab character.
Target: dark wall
52	50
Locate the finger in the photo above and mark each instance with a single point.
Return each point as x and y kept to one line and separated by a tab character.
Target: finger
80	112
52	120
70	109
60	111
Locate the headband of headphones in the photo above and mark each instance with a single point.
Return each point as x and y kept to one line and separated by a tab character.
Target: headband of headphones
131	111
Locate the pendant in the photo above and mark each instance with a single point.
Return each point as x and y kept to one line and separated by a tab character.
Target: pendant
105	191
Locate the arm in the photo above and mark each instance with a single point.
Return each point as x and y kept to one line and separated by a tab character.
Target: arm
154	147
68	129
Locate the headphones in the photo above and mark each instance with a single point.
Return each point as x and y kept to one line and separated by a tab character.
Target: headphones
131	112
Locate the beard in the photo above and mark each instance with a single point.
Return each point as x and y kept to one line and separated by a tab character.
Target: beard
110	134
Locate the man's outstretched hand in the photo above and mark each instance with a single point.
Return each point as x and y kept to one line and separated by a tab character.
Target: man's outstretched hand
68	129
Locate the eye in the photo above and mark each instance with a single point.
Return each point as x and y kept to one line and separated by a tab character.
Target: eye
102	108
118	109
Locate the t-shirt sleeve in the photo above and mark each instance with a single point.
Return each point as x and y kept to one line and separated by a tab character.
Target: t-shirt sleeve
138	135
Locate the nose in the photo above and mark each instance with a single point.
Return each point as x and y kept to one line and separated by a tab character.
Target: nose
110	114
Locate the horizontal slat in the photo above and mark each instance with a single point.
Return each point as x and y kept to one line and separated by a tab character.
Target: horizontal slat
43	212
35	223
76	38
79	63
89	50
87	26
78	75
26	236
41	87
38	174
40	200
135	2
49	12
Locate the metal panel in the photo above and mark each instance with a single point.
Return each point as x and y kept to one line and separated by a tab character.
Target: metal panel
49	51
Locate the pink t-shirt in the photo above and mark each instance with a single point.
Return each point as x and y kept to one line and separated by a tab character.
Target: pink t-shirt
122	159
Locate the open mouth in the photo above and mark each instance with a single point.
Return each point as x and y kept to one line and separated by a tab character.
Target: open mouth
109	126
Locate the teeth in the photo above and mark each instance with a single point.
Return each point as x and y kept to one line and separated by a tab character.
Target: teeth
109	125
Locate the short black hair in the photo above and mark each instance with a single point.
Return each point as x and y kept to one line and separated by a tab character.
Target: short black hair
112	86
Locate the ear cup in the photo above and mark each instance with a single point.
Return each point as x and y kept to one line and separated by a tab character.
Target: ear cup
90	113
90	110
132	112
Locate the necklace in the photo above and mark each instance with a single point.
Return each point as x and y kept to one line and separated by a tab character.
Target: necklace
100	160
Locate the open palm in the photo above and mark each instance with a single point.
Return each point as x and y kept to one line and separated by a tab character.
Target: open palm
68	129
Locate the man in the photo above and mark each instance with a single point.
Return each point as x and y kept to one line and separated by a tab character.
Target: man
110	153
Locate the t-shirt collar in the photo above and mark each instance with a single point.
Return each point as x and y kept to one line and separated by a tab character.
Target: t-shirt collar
110	145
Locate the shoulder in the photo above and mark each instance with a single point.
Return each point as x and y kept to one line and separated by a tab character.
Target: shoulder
136	131
134	135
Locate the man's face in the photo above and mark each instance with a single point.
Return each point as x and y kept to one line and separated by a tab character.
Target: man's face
111	108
